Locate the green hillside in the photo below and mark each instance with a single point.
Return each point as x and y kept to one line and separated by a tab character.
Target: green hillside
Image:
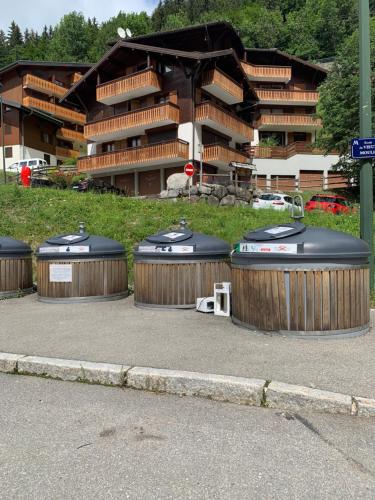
33	215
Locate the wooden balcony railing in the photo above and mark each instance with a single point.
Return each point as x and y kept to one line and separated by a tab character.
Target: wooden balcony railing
285	152
55	110
67	153
267	73
291	96
208	111
141	118
222	153
221	85
168	150
77	76
44	86
281	120
131	86
71	135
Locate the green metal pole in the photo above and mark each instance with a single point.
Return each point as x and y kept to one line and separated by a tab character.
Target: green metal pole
365	116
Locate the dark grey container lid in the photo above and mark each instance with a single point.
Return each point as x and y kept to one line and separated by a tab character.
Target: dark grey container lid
79	245
295	242
10	247
181	244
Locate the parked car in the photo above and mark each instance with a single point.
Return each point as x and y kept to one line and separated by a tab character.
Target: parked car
274	201
329	203
31	163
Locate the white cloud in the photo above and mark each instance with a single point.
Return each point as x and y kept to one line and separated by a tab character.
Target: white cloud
34	14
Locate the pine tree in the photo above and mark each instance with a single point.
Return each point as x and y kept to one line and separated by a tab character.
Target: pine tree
4	53
14	37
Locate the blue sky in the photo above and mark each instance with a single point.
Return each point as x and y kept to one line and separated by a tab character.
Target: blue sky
34	14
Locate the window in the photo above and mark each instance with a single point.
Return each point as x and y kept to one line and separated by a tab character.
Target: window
134	142
33	163
300	136
108	147
46	138
47	158
9	152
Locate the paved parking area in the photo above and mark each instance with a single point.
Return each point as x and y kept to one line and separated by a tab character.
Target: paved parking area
118	332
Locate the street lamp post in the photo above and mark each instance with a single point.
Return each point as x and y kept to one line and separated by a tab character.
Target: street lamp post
2	132
365	115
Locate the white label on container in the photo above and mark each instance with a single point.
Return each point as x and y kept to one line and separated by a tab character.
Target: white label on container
278	230
173	236
61	273
49	249
290	248
167	249
65	249
71	237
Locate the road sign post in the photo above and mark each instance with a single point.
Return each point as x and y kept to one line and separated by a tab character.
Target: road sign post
189	171
366	174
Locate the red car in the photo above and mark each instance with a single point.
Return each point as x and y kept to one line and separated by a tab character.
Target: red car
329	203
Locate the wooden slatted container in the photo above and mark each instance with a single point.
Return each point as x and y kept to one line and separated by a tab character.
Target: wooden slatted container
15	268
78	267
314	282
174	268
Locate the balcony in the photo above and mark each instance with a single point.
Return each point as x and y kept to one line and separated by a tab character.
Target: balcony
288	97
168	152
221	155
285	152
43	86
66	153
222	86
283	122
128	87
132	123
60	112
217	118
267	73
71	135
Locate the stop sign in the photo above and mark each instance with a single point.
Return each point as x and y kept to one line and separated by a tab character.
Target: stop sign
189	169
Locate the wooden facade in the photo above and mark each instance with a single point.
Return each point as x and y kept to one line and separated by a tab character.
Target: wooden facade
39	86
92	279
176	284
309	302
15	276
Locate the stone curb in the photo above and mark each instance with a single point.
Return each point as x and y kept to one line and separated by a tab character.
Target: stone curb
240	390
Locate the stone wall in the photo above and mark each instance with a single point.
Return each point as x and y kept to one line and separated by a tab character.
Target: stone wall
212	194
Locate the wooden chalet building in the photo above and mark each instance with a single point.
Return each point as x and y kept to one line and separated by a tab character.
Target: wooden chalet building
197	94
36	124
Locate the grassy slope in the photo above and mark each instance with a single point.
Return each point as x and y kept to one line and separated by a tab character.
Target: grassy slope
33	215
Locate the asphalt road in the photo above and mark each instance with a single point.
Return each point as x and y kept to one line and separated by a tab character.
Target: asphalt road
118	332
66	440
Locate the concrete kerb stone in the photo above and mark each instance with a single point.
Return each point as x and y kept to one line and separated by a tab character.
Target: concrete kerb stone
296	398
9	362
73	370
218	387
240	390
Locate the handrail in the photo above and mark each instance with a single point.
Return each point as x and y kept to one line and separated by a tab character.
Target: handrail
125	76
123	150
54	109
127	113
286	119
236	123
278	94
223	80
43	85
270	71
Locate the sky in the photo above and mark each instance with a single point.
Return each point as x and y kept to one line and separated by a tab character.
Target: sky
34	14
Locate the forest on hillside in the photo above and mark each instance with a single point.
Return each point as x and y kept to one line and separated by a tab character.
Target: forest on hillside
311	29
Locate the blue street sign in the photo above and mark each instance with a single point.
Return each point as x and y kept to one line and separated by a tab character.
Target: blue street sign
363	148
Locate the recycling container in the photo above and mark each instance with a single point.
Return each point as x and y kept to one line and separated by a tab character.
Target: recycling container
302	281
173	268
79	267
16	274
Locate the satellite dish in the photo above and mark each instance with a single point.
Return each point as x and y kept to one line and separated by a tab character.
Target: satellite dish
128	33
121	32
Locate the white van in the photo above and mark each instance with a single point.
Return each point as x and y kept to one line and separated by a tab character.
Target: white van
32	163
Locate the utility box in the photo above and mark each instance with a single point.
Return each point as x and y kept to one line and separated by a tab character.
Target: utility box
16	276
78	267
222	293
175	267
303	281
